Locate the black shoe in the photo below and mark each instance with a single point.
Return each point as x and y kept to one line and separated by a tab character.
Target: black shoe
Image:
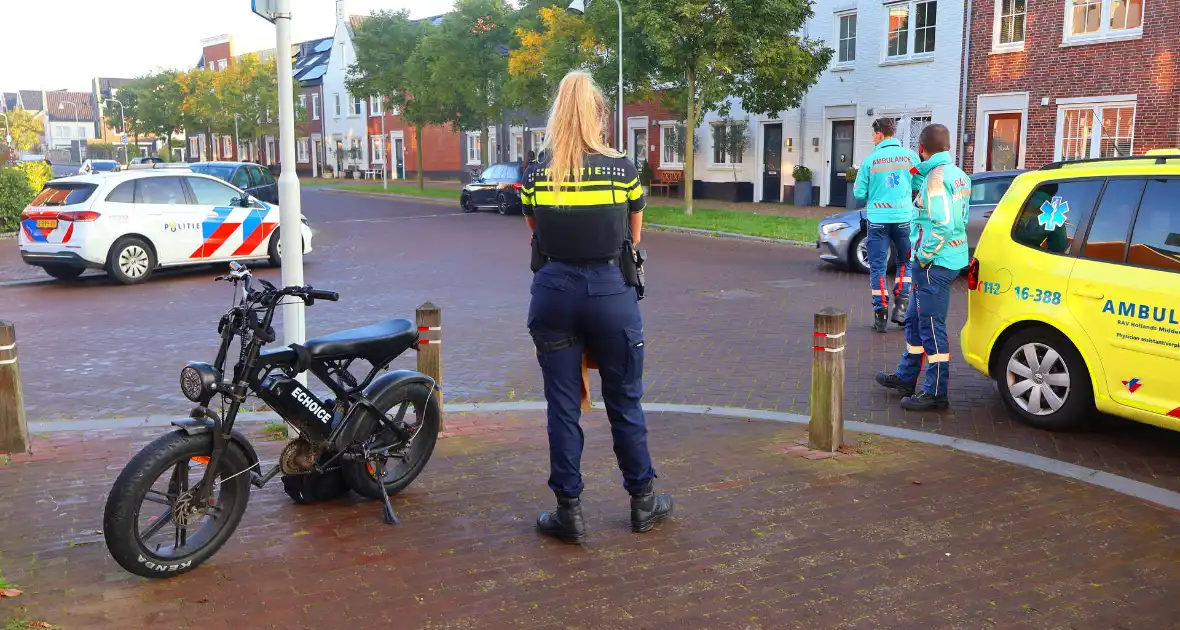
565	523
900	306
879	320
924	402
649	508
893	381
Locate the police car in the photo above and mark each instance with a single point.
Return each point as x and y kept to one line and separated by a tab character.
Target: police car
131	223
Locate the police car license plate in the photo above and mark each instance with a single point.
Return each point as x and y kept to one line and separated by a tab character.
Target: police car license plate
47	224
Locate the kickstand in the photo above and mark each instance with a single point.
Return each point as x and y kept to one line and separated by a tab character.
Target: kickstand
387	508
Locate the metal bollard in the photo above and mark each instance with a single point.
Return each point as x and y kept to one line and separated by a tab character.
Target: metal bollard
429	319
14	431
825	431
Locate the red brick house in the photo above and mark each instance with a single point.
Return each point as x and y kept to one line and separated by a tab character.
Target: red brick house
440	157
649	136
1055	80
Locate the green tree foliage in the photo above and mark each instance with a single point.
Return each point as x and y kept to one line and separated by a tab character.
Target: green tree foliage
36	173
710	50
391	65
153	107
15	194
468	64
26	129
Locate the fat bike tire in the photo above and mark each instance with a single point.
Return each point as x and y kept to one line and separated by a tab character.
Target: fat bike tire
129	503
422	411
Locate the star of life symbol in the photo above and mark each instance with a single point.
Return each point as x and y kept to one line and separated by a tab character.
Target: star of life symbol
893	180
1053	213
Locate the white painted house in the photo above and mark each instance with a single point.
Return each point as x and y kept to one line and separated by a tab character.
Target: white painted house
900	58
345	116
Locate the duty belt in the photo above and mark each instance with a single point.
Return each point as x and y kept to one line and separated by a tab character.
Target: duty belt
592	262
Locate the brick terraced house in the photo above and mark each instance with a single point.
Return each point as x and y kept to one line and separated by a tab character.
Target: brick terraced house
1055	80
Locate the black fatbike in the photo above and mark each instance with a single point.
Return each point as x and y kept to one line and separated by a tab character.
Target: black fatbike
181	497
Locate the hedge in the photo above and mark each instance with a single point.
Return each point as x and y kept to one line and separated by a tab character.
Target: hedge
15	194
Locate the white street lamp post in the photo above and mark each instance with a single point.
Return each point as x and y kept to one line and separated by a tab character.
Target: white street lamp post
290	229
123	118
384	153
578	7
62	107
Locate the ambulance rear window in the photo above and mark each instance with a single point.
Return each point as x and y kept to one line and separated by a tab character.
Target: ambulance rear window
63	194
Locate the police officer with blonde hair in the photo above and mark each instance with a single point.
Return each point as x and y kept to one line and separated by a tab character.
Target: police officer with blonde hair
584	204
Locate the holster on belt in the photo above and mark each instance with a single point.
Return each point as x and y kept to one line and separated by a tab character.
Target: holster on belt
631	264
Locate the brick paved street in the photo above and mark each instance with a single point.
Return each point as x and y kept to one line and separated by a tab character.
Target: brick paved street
728	323
900	535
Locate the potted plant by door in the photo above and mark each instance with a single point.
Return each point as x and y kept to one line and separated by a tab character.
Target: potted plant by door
851	202
802	176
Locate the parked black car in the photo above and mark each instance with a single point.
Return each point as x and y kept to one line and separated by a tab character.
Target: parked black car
497	187
250	177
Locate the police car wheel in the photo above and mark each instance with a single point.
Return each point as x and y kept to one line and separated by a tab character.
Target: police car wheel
274	251
131	260
1043	380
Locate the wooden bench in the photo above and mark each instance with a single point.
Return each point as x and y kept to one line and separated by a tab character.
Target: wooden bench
666	181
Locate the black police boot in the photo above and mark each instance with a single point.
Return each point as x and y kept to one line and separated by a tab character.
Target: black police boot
893	381
924	402
565	523
648	508
880	322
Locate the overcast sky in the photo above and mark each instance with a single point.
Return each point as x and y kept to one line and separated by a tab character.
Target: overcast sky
56	44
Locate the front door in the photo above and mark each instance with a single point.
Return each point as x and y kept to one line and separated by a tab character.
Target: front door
842	143
399	158
639	146
1003	142
772	162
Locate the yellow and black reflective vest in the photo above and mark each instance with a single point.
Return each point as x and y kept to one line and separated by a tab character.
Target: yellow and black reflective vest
586	221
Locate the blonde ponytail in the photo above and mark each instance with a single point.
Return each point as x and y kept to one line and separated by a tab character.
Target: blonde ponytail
575	128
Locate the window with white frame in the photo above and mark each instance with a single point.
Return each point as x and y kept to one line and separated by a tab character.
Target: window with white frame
222	64
357	106
378	150
538	140
1088	20
315	106
1008	31
493	146
302	150
722	136
303	101
911	29
1095	130
336	103
474	153
243	150
846	37
227	144
376	106
671	145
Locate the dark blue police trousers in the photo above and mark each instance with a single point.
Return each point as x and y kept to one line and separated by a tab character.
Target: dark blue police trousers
575	309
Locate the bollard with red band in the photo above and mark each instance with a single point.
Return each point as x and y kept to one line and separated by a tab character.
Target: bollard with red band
429	320
825	431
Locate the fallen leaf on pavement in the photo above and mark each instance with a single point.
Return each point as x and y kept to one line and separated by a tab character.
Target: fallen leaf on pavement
917	483
40	624
9	592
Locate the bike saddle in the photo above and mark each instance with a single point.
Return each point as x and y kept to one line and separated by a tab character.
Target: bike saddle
376	343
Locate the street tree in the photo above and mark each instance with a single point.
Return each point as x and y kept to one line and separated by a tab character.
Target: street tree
26	129
156	106
555	42
391	65
707	51
200	108
468	64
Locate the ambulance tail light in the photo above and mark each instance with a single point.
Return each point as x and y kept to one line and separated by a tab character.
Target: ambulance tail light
82	216
973	274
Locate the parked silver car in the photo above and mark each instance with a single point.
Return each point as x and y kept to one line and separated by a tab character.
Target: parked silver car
842	236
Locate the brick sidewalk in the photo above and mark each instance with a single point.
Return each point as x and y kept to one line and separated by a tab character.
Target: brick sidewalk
898	535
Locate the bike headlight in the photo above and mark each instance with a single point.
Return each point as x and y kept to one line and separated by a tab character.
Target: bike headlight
828	228
198	382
